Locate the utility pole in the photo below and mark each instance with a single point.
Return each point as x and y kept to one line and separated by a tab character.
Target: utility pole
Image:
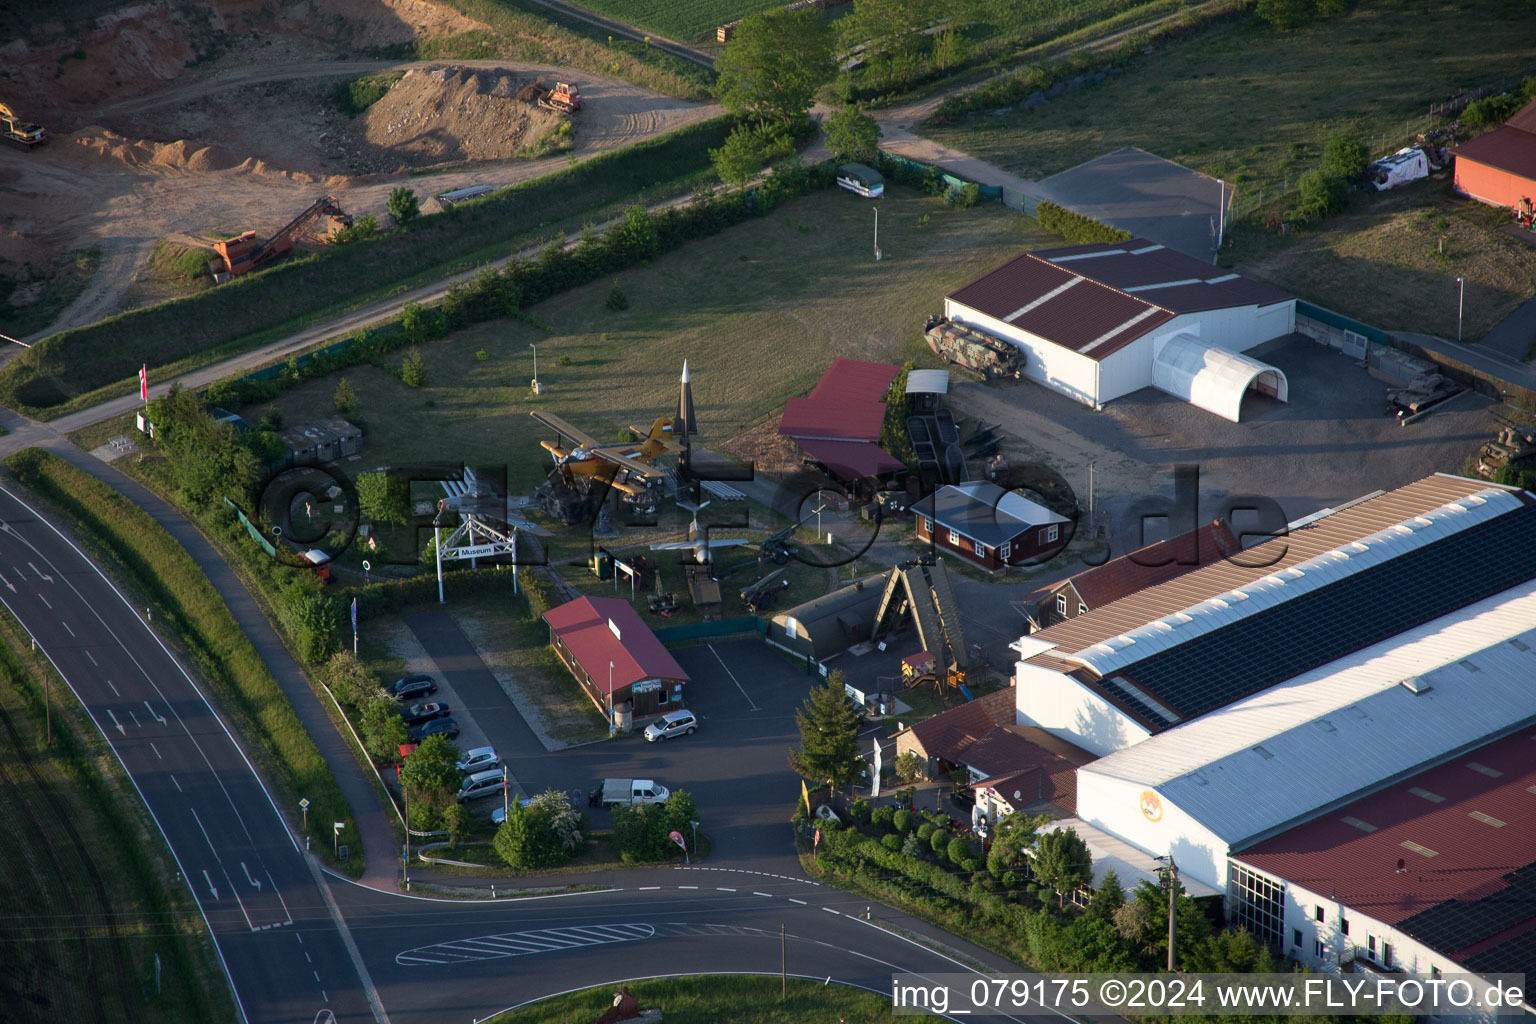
405	804
783	967
1461	296
1173	892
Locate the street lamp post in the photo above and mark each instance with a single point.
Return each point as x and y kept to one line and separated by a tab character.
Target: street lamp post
405	812
612	728
437	545
535	348
1461	295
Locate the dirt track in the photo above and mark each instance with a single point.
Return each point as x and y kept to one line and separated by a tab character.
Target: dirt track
67	199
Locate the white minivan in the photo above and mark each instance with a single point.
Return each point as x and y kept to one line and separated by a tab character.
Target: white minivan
673	723
479	759
487	783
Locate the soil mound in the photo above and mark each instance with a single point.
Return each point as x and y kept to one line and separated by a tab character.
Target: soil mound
454	114
100	143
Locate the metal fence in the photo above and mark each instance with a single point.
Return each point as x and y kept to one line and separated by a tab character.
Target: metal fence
703	630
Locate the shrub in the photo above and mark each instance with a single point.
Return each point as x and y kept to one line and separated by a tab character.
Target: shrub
881	817
964	196
402	205
908	766
859	810
1074	227
939	841
902	820
616	300
413	371
1319	196
344	398
1010	880
912	847
959	851
891	842
1344	157
968	865
925	831
482	355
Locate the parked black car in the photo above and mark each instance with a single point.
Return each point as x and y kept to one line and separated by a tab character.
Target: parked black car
438	726
416	714
413	686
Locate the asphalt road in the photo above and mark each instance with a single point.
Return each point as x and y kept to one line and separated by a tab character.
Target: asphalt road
283	946
455	960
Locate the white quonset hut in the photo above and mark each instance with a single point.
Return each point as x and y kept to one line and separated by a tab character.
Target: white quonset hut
1099	321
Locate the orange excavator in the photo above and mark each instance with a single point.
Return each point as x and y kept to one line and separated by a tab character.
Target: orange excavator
243	254
21	132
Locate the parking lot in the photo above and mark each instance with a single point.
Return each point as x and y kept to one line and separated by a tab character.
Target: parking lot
735	766
1331	443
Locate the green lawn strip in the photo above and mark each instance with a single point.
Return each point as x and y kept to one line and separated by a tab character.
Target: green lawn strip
90	363
687	21
527	31
63	282
124	536
79	784
716	998
1208	102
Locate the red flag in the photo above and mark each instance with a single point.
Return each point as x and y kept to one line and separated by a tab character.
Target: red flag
144	382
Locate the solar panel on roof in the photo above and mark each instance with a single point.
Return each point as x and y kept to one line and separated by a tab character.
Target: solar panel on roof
1513	956
1456	924
1275	644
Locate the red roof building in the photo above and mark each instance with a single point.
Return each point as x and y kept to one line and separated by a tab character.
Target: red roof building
1499	168
1137	570
838	424
1436	872
615	657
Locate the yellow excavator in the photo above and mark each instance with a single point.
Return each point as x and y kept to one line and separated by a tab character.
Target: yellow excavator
23	133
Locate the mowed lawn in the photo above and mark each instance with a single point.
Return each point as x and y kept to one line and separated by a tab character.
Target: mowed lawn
759	312
686	21
1244	101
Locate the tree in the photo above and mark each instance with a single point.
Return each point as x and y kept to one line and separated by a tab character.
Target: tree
526	839
746	150
636	235
829	735
908	766
384	497
852	135
314	622
1107	899
1344	157
774	63
361	229
568	829
413	371
1319	195
402	205
383	729
453	821
1191	928
1231	952
1062	861
344	398
430	776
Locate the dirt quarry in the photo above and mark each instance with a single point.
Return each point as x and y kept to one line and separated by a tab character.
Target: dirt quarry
448	115
188	116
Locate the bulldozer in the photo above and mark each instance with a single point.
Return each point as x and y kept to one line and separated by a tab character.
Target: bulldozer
23	133
243	253
564	97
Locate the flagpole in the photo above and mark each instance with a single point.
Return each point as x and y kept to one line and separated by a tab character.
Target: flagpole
354	627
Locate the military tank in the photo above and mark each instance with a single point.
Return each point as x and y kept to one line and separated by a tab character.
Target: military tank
1514	446
966	346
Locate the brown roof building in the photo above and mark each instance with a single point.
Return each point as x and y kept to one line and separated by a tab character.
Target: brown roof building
1022	765
1136	571
1499	168
1100	321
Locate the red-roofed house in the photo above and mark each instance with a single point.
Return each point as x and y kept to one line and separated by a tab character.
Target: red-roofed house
1096	322
615	657
1138	570
1499	168
1431	875
838	424
1012	766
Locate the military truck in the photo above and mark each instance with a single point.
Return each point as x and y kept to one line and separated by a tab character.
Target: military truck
966	346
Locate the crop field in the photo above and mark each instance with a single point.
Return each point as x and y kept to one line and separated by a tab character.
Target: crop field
682	20
1242	101
759	312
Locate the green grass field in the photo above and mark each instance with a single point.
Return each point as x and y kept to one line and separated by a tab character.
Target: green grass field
686	21
1254	105
758	311
718	999
49	291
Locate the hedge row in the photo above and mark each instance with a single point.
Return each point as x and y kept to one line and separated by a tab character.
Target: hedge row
222	321
1074	227
187	601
